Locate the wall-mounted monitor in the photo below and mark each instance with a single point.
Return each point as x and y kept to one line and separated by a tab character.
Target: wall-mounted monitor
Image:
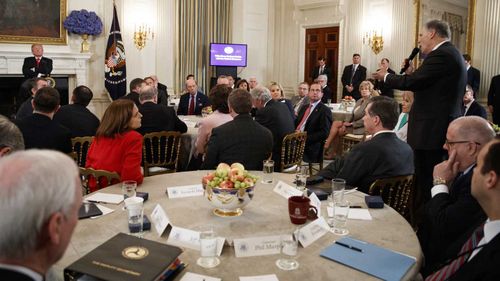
228	54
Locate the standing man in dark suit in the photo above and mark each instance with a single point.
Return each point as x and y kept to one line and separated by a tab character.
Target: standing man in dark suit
157	117
384	155
321	69
314	118
452	209
438	85
40	195
135	91
470	106
273	115
76	116
34	67
473	75
192	102
494	99
352	76
380	85
241	140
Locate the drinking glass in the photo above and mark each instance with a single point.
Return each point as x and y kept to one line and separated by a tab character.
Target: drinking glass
268	169
289	247
338	187
129	189
300	181
135	219
208	248
340	214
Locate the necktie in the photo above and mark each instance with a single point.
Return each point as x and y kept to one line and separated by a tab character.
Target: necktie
37	62
304	118
353	71
464	110
404	120
447	271
191	105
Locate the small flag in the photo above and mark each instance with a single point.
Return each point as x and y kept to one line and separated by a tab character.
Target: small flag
115	71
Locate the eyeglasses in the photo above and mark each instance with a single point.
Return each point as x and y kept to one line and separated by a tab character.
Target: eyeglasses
451	143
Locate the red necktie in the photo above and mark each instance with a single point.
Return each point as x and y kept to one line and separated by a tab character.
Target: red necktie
37	62
191	105
304	118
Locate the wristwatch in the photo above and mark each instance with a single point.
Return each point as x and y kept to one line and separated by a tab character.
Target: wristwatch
438	181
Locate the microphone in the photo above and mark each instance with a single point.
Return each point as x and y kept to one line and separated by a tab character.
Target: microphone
407	61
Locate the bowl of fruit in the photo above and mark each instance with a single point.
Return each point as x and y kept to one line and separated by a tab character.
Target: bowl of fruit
229	189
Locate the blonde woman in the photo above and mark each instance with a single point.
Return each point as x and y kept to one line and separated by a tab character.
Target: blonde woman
401	128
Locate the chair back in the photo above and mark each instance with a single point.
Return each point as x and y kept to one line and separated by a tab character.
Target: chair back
348	141
292	150
395	192
93	180
80	147
161	149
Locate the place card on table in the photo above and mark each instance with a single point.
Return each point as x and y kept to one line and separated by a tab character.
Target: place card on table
313	231
354	213
286	190
188	238
270	277
159	219
185	191
315	202
189	276
101	197
257	246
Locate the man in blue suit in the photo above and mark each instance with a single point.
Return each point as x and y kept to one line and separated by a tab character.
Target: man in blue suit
193	101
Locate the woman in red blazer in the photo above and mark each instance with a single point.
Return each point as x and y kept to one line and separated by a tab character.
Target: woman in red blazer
117	147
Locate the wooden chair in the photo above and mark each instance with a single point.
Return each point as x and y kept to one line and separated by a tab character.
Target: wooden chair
160	151
80	147
395	192
350	140
93	180
292	150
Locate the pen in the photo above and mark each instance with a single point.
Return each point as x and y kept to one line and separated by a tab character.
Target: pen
348	246
356	207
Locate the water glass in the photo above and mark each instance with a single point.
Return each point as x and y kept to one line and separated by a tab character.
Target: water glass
340	214
129	189
300	181
268	169
289	247
208	248
135	214
338	187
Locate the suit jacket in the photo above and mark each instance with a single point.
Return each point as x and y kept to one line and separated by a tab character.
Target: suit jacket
296	98
475	109
359	76
158	117
133	96
25	110
289	105
317	127
276	118
327	94
494	98
201	102
473	78
326	71
6	274
358	124
384	89
438	85
242	140
162	96
78	119
30	69
385	155
39	131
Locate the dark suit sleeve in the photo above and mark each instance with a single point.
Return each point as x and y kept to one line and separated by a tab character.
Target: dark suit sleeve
212	155
345	77
180	126
182	107
27	72
66	146
325	122
47	65
493	90
357	165
476	80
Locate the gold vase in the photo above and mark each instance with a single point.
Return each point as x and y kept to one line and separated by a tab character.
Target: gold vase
85	44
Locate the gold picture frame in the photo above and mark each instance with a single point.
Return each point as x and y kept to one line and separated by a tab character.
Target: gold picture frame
28	21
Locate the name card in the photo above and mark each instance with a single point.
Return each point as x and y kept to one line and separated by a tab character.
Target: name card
313	231
159	219
270	277
189	276
286	190
185	191
257	246
184	237
315	202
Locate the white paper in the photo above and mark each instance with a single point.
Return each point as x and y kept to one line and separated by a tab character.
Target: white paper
190	124
354	213
349	191
185	191
159	219
104	210
313	231
188	238
270	277
315	202
286	190
100	197
257	246
189	276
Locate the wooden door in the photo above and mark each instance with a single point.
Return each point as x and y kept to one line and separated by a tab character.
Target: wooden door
322	42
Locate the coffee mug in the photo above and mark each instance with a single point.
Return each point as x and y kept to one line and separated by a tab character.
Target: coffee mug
300	209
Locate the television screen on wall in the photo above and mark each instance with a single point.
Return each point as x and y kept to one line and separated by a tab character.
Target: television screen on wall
228	54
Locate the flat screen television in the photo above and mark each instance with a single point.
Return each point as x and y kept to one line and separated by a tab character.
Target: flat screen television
228	54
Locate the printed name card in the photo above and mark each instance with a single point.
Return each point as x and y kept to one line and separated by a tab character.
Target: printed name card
184	237
270	277
286	190
315	202
257	246
189	276
185	191
159	219
313	231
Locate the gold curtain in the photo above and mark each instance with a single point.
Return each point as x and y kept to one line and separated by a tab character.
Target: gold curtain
199	23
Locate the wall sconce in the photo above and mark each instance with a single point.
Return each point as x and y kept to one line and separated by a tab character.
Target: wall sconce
374	40
141	35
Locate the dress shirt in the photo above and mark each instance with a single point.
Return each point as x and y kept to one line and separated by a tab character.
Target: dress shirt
491	229
310	112
382	132
23	270
442	188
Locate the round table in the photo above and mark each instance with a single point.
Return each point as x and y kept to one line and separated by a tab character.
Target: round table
267	214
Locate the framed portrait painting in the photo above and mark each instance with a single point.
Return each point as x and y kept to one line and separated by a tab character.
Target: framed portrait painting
33	21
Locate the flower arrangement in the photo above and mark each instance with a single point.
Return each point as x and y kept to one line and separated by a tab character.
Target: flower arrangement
83	22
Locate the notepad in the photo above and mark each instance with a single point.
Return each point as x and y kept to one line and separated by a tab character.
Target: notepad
100	197
374	260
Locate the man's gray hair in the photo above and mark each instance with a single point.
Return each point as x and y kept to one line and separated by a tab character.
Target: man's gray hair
10	135
261	93
474	128
34	184
148	93
442	28
323	76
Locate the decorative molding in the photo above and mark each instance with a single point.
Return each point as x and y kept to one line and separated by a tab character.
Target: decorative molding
314	4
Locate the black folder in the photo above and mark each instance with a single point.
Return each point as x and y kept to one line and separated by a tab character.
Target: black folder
88	210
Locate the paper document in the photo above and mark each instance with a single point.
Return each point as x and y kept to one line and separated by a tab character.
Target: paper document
100	197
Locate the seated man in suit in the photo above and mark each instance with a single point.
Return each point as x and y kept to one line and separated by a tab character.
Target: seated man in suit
384	155
471	106
192	102
241	140
157	117
162	91
315	119
40	195
452	209
39	130
11	138
476	255
135	90
26	108
327	92
76	116
301	97
273	115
